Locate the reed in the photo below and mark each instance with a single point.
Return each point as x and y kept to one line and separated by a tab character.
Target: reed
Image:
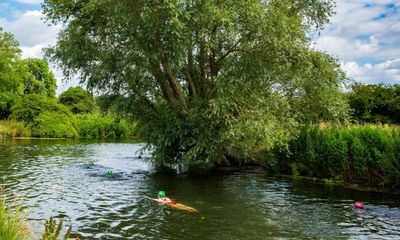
12	224
367	154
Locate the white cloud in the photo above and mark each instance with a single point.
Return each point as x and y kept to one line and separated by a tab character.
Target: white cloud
30	30
366	31
30	1
347	49
386	72
35	51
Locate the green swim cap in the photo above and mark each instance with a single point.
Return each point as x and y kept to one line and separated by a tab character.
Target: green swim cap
161	194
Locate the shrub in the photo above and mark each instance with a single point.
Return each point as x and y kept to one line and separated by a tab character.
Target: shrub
78	100
53	124
31	105
361	153
12	128
103	126
45	116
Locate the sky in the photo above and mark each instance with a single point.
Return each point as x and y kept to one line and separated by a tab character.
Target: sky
364	35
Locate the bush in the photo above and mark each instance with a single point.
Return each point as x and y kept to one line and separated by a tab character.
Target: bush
45	116
31	105
53	124
359	153
103	126
12	128
78	100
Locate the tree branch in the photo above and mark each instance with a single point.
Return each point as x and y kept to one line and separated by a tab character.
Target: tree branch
176	87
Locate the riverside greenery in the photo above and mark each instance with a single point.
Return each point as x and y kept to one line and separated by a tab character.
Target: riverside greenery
367	154
40	116
14	227
209	81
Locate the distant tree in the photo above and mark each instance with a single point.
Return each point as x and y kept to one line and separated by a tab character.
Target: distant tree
32	105
10	80
375	103
78	100
116	103
394	104
19	77
39	78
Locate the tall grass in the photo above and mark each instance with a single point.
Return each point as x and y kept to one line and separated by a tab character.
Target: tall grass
357	153
13	128
12	225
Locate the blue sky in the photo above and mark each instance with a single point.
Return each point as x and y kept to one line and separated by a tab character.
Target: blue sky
364	35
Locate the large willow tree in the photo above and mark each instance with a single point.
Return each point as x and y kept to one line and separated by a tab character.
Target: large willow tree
209	80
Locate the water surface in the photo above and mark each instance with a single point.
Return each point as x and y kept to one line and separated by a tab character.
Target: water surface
68	179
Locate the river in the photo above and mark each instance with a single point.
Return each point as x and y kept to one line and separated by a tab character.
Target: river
68	179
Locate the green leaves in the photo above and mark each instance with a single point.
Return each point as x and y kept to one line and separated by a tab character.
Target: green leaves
53	230
375	103
10	80
38	78
18	77
206	77
356	153
78	100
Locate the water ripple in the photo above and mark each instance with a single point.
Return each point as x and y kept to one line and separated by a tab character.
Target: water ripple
68	180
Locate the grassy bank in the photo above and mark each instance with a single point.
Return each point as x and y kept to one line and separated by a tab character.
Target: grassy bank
79	126
364	154
13	128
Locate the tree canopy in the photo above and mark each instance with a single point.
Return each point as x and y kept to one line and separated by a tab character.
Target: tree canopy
375	103
209	79
19	77
78	100
39	78
10	80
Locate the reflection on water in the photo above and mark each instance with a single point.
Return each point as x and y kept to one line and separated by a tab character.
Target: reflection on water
68	179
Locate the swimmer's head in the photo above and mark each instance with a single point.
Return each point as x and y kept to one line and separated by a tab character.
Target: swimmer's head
161	194
359	205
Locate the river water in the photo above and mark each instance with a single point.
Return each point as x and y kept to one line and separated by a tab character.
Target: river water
68	179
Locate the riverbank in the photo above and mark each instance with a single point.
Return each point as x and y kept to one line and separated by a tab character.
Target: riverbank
91	126
12	128
355	155
362	187
347	185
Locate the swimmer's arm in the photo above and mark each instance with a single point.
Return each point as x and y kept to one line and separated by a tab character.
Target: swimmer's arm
155	199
